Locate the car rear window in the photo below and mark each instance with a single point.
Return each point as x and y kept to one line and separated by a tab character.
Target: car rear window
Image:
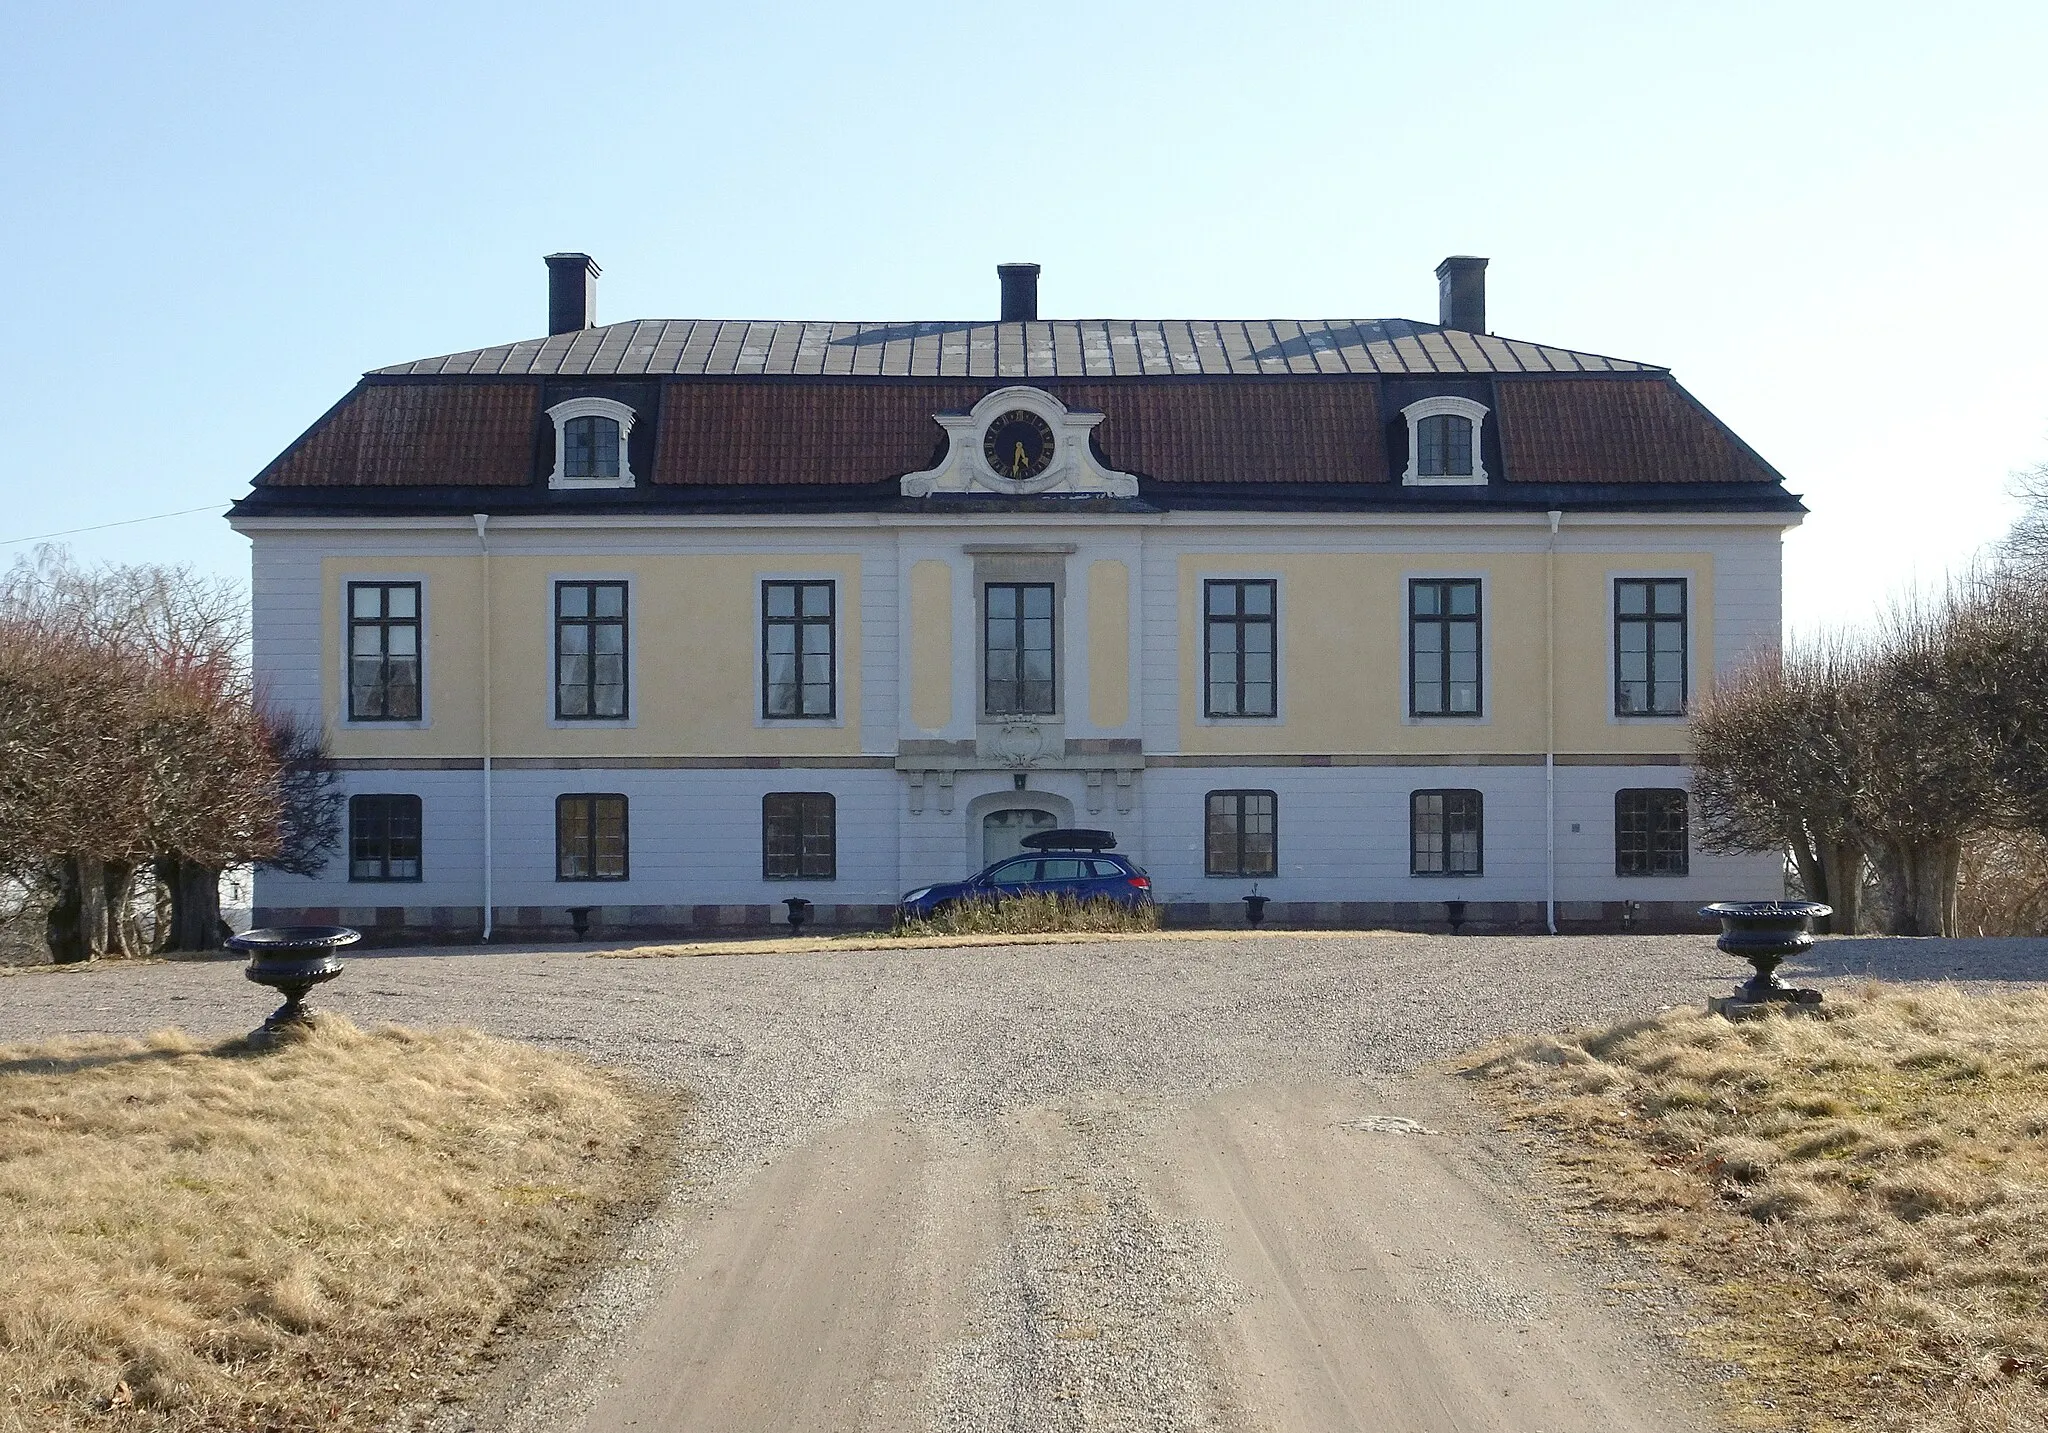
1108	869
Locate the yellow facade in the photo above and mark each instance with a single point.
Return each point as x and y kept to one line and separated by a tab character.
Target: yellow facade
931	643
1109	643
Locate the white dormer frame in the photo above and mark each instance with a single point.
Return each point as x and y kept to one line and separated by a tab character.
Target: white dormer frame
1444	405
1073	470
618	412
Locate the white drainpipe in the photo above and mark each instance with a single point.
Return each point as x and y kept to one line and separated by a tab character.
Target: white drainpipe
483	520
1550	726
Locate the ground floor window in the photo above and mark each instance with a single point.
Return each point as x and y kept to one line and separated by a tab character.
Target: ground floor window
384	838
1243	833
1650	832
590	837
1445	831
799	836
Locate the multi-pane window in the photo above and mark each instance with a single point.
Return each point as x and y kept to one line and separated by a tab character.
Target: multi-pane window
1243	834
1650	832
799	836
1444	443
796	649
384	838
590	650
590	837
1445	833
384	651
1238	648
1443	647
1649	646
1018	655
590	448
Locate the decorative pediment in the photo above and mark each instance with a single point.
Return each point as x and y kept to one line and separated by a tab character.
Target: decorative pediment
1020	441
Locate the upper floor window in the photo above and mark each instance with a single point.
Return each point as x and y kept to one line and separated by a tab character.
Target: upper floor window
1238	648
590	651
1443	440
799	836
383	651
1650	837
590	837
796	650
590	444
1443	646
384	838
1446	833
1649	646
1018	648
1242	834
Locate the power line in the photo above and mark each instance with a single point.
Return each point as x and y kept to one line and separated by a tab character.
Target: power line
98	526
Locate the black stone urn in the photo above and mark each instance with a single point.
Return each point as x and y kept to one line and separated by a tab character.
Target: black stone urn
579	920
292	959
1764	933
1255	908
799	912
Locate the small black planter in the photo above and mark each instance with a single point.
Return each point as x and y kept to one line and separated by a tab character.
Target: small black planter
579	920
799	912
292	959
1764	933
1454	912
1255	909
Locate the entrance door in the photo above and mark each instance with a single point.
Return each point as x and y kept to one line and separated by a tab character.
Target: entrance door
1003	832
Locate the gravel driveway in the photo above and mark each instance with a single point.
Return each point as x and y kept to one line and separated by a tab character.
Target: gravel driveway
1142	1184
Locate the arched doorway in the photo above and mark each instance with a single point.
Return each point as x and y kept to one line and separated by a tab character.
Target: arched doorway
1003	832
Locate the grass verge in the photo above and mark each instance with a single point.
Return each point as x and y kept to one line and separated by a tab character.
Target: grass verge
1033	913
324	1235
1858	1203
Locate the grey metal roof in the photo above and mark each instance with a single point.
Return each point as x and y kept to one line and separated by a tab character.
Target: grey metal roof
1045	348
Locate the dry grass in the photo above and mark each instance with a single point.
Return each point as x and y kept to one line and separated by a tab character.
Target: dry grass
320	1236
1033	913
1859	1203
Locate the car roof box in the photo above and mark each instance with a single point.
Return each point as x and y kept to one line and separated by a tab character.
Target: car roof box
1071	840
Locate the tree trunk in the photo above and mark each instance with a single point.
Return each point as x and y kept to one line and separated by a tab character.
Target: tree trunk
124	931
1844	862
76	927
1920	883
194	922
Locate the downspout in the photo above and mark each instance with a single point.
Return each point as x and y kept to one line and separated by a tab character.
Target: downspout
1550	726
483	542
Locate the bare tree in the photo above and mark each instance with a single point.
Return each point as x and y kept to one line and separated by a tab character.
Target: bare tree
2025	548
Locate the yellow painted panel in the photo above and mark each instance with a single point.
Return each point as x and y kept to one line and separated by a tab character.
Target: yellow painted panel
1343	660
931	644
694	645
1109	643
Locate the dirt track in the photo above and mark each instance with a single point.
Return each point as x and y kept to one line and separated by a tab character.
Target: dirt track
1147	1185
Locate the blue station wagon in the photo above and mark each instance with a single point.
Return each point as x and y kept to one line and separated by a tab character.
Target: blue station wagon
1073	863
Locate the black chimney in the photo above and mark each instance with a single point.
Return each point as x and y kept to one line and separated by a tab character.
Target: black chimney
572	292
1020	291
1461	293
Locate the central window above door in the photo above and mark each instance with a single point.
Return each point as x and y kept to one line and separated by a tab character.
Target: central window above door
1018	652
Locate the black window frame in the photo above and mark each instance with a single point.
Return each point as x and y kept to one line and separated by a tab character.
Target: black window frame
988	678
1637	833
1444	452
593	454
590	622
383	624
1469	802
802	627
1236	625
590	825
1649	620
1443	621
379	807
1232	801
806	803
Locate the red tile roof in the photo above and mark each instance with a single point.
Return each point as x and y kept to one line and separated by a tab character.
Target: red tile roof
403	435
1618	430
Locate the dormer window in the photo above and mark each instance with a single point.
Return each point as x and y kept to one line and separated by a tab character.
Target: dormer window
590	444
1443	441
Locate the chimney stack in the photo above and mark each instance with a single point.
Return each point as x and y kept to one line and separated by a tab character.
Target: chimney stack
572	292
1020	291
1461	293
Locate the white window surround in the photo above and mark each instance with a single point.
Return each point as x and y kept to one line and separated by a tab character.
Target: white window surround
618	413
1444	405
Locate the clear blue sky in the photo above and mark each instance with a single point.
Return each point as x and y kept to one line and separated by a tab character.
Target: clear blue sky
1829	219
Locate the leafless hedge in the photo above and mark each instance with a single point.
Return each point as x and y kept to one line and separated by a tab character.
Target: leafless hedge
131	737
